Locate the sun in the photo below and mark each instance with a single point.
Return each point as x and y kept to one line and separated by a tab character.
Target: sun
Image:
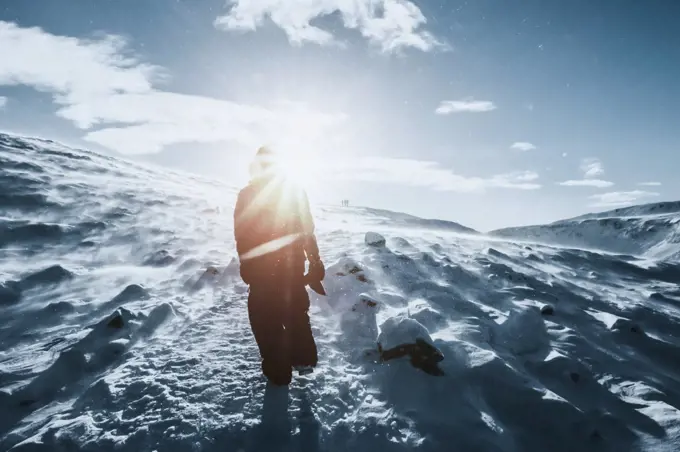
301	167
298	169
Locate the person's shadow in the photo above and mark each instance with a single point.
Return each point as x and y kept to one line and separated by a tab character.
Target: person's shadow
272	433
310	428
275	424
275	431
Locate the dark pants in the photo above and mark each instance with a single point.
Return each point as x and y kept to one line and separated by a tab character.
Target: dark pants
278	314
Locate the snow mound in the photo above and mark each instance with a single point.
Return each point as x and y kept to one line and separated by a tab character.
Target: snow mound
400	330
132	292
49	276
403	337
360	323
429	317
524	332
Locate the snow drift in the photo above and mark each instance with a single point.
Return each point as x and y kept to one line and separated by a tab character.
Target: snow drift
123	326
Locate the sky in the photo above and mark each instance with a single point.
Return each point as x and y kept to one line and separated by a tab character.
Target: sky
488	113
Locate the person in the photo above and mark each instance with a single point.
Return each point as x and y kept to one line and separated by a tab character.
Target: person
275	237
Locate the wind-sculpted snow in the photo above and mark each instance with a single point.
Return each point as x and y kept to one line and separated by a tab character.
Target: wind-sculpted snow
651	230
123	327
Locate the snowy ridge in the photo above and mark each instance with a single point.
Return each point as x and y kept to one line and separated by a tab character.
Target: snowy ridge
389	218
641	210
650	231
113	336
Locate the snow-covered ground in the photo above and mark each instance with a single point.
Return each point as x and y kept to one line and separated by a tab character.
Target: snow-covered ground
649	230
107	341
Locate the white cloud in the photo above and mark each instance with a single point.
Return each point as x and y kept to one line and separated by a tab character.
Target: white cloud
587	183
591	167
620	198
72	69
157	119
650	184
464	106
3	102
116	92
391	24
523	146
427	174
564	154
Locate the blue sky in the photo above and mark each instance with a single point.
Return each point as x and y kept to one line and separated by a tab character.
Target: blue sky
483	112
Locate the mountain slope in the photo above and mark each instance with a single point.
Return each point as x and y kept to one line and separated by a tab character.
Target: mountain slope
387	218
650	230
113	337
641	210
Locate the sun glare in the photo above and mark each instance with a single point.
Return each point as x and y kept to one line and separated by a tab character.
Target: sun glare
283	174
298	170
302	168
306	164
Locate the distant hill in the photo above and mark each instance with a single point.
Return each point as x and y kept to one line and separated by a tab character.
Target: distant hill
650	230
405	219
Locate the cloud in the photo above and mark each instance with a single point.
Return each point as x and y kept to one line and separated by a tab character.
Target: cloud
157	119
3	102
209	120
523	146
464	106
390	24
115	92
427	174
587	183
564	154
620	198
48	63
650	184
591	167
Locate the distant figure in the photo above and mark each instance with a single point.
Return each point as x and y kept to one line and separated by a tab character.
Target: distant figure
274	232
345	203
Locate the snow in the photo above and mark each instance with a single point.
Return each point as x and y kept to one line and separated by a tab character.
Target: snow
116	333
645	231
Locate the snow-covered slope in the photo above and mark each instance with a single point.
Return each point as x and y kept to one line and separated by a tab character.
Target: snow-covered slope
386	218
640	210
111	340
649	230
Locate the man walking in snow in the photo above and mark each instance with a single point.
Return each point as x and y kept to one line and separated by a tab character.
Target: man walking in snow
274	232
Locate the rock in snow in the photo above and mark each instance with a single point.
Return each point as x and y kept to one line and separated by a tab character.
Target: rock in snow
401	337
375	239
548	309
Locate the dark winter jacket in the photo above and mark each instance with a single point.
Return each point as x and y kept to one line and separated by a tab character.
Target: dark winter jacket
274	229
